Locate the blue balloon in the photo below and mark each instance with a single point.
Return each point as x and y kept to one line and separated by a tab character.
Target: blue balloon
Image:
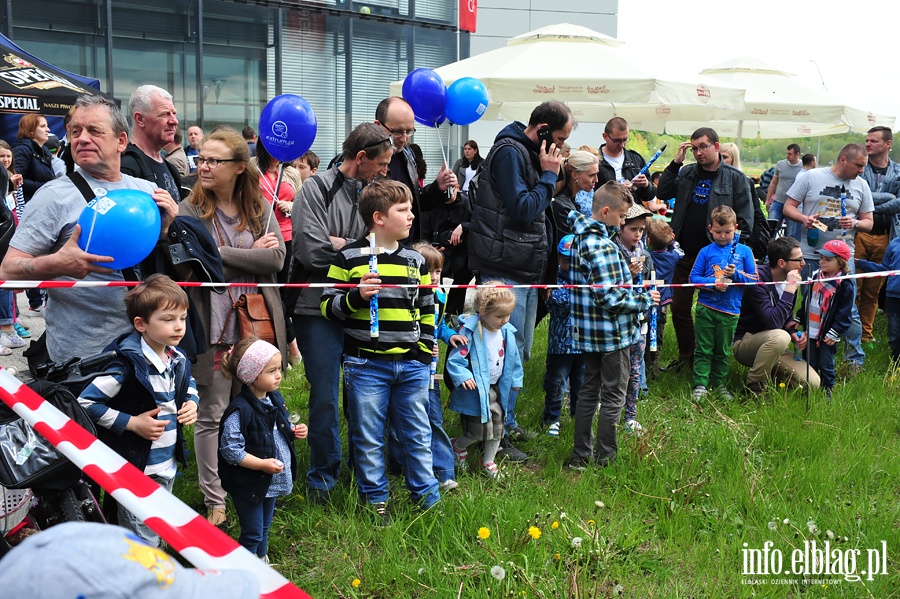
432	124
426	93
123	223
467	100
287	127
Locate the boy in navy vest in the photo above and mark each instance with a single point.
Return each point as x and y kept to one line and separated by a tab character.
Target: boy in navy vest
143	406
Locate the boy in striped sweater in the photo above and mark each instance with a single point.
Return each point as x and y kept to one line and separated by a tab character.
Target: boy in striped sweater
141	409
386	368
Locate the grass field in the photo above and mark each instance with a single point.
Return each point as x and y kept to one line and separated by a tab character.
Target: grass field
676	516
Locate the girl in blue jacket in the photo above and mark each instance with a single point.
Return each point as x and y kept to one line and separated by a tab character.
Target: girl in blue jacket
484	372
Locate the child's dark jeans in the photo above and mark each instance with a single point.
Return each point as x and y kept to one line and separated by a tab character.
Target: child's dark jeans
821	358
562	369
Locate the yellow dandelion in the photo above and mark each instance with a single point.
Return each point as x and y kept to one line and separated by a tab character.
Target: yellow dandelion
356	582
555	525
484	532
556	556
535	532
591	522
781	385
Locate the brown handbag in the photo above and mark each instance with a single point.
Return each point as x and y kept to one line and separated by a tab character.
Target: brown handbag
253	316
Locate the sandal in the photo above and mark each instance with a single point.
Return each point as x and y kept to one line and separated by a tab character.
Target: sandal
218	518
461	455
5	351
489	469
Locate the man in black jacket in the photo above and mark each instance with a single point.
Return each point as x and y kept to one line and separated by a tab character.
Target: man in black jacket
698	189
153	126
621	165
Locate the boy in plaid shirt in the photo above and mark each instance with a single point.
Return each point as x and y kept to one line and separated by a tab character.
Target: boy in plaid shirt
605	323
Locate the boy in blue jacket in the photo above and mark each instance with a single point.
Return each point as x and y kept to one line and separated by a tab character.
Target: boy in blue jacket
718	306
142	408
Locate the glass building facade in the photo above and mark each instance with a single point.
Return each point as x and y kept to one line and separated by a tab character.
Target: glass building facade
223	60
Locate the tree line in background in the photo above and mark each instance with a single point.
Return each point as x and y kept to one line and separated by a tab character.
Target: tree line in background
756	154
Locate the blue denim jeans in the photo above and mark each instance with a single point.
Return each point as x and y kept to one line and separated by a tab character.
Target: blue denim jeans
522	318
255	519
853	351
441	451
562	368
776	212
379	391
321	342
821	358
6	306
892	309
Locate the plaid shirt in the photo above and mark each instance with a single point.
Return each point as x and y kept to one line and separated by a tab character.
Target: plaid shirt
605	319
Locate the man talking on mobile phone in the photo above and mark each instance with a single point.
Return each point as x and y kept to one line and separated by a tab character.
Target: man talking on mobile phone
511	237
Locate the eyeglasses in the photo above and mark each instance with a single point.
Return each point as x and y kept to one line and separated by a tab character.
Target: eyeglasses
214	162
700	148
375	144
400	132
795	260
617	141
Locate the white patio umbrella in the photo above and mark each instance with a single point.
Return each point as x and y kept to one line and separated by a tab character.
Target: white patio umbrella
593	74
778	105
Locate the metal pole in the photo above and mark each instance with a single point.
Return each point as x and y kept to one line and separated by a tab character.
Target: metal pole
110	80
199	60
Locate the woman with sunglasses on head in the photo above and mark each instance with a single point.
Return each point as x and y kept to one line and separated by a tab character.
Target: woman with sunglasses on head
227	199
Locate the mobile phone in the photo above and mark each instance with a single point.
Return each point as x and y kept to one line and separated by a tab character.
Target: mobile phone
545	135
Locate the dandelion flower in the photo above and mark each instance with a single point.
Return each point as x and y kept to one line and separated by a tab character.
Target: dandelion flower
498	573
555	525
484	532
356	582
535	532
591	522
557	557
576	542
781	385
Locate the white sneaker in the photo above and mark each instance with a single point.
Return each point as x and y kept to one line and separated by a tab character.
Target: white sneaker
448	485
699	391
10	339
633	426
553	429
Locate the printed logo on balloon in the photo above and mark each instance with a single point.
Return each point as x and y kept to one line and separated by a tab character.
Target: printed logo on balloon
287	127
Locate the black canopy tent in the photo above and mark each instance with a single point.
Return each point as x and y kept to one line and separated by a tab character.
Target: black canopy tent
30	85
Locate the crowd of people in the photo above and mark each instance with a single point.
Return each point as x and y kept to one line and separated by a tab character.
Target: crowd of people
372	236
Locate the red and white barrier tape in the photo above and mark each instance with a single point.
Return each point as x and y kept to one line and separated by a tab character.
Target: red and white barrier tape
201	543
69	283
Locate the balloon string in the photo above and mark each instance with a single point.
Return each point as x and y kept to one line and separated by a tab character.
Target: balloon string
444	152
274	195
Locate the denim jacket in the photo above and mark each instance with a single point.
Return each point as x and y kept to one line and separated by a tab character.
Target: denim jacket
885	199
471	361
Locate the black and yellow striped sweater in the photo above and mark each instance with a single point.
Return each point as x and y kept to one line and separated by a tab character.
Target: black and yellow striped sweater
405	314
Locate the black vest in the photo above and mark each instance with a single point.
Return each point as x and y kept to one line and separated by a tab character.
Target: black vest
257	422
498	244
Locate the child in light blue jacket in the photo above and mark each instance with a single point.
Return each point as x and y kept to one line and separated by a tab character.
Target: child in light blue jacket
484	372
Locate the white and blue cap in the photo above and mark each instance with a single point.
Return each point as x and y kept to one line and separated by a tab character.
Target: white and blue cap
565	245
102	561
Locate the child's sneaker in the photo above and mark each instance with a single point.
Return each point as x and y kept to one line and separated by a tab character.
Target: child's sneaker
448	485
21	331
699	391
725	394
633	426
461	455
11	339
553	429
490	470
380	511
827	394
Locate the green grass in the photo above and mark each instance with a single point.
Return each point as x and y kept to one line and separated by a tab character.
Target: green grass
668	519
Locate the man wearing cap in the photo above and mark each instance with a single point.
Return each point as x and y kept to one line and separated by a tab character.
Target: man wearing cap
814	201
86	559
766	326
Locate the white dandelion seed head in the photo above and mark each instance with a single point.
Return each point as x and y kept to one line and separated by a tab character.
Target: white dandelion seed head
786	521
773	525
576	542
829	534
498	573
421	571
